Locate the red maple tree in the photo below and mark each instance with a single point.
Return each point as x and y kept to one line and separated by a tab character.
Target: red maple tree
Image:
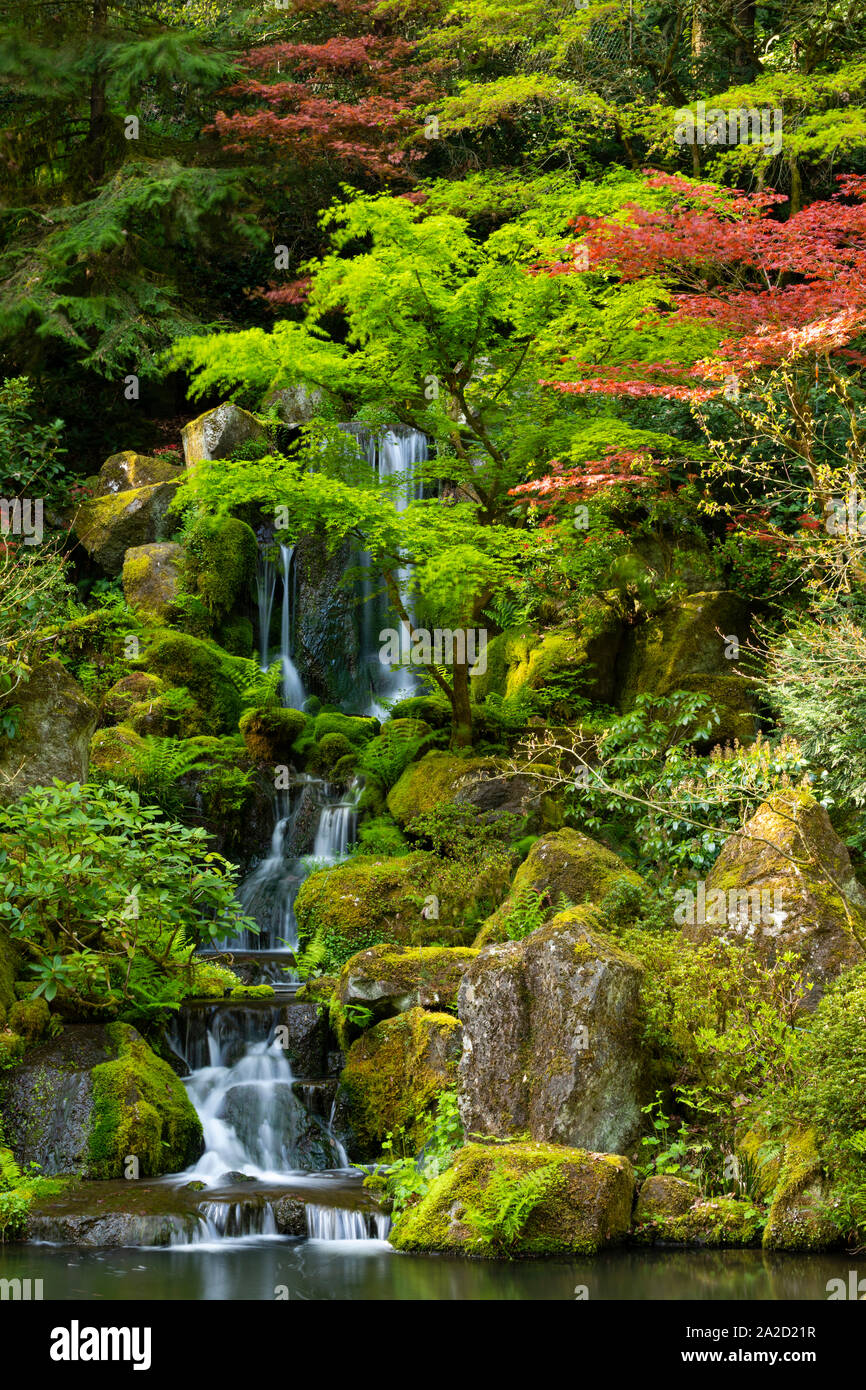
789	291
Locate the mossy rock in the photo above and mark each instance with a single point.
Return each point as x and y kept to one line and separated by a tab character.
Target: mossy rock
436	714
363	903
126	694
221	433
581	660
126	471
117	751
140	1109
683	648
30	1018
201	668
12	1047
663	1196
583	1206
717	1223
787	885
52	740
219	562
802	1215
9	963
109	526
344	769
152	578
237	636
562	864
392	979
393	1077
211	980
86	1102
271	734
252	992
330	750
355	729
433	780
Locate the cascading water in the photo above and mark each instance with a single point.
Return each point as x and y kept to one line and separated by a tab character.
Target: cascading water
395	457
267	573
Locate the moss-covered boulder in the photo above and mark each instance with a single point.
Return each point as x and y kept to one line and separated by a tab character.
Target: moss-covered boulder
29	1018
552	1038
219	433
564	864
363	903
270	734
202	669
117	751
9	963
52	739
355	729
683	648
717	1223
94	1098
219	562
785	883
580	661
433	780
392	979
108	526
151	579
127	694
574	1203
393	1076
662	1196
127	471
803	1214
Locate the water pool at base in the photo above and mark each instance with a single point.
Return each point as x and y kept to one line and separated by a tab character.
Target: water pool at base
278	1268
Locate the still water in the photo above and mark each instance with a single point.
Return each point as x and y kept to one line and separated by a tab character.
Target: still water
269	1268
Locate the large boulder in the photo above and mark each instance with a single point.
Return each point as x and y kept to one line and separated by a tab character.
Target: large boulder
785	883
683	648
200	667
663	1196
392	979
564	864
802	1215
109	525
126	471
433	780
574	1203
95	1097
152	579
717	1223
580	660
362	903
221	432
294	405
393	1076
328	648
53	734
552	1038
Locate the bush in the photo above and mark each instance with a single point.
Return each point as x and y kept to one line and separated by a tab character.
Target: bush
106	901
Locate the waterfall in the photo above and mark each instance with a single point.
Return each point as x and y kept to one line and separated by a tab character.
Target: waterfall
293	690
253	1121
395	456
341	1223
336	829
293	694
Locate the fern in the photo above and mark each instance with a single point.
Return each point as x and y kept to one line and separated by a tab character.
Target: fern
507	1203
257	688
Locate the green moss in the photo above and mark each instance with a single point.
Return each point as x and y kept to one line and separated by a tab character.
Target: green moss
8	968
129	693
585	1205
117	751
356	730
432	780
203	669
211	981
252	992
11	1049
801	1216
720	1222
271	734
29	1018
362	903
330	750
394	1074
220	557
140	1109
237	636
391	978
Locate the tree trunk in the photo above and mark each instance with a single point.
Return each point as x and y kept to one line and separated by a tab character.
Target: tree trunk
461	708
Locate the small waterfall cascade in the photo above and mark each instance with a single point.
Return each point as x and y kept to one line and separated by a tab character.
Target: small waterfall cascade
267	576
254	1121
340	1223
395	457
